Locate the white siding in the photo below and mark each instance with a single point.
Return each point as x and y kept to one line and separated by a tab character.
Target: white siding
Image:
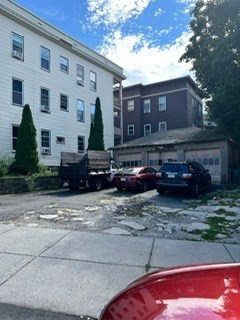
59	122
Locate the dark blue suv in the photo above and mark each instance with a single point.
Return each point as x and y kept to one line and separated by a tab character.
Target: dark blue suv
187	176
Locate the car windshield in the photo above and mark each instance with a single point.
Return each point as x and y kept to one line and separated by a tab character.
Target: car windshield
130	170
176	167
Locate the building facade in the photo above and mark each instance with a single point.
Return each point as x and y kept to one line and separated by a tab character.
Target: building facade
59	78
161	106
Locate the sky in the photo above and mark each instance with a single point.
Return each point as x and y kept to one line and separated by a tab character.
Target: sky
144	37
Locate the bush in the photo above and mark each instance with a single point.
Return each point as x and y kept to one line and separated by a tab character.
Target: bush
5	163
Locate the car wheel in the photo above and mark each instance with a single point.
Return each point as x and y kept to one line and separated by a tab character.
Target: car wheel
195	191
160	190
96	184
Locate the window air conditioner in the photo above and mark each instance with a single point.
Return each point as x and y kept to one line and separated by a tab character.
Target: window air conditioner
80	81
16	54
44	108
45	151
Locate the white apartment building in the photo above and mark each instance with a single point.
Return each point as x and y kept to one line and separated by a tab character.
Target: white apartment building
59	78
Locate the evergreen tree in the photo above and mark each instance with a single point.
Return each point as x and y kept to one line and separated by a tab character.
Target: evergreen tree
26	158
96	139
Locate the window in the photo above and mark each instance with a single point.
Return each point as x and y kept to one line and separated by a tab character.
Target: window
146	106
45	105
93	81
130	105
92	112
162	126
17	46
45	142
80	111
60	140
130	129
80	75
45	59
147	130
63	102
162	103
81	143
14	137
64	64
17	92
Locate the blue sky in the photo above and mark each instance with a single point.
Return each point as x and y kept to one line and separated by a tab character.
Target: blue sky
144	37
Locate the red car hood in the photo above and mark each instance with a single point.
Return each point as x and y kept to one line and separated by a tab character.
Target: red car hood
206	292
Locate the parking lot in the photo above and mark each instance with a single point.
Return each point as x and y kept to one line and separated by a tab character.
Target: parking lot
215	216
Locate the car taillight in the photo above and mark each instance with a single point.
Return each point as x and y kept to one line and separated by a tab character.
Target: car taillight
159	174
186	176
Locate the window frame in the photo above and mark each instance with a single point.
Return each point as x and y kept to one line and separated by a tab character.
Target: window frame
162	106
18	92
64	64
83	143
130	130
93	82
47	143
161	123
92	114
130	105
147	133
80	75
14	138
46	98
147	108
63	108
43	59
80	110
18	54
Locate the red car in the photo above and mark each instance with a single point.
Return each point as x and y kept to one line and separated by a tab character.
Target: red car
135	178
205	292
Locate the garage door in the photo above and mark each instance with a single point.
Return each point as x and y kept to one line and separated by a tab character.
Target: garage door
130	160
210	159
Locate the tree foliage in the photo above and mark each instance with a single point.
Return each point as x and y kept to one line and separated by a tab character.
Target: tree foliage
96	138
214	51
26	158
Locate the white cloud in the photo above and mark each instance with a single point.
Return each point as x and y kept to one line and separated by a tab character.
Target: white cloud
144	63
114	12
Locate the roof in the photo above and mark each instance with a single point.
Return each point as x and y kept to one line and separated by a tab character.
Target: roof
31	21
171	137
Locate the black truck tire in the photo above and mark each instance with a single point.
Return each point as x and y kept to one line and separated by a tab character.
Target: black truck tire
95	184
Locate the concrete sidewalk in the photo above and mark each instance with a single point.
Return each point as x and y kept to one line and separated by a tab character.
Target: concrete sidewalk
77	273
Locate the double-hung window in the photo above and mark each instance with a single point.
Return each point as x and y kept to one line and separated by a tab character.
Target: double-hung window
130	105
14	137
64	64
162	126
17	46
45	59
80	111
130	129
45	100
63	102
147	130
81	144
146	106
162	103
80	75
93	81
17	92
92	112
45	142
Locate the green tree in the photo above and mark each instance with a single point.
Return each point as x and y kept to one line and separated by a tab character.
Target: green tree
26	158
96	138
214	51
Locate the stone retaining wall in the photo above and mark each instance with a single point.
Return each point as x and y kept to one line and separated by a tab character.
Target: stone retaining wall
27	184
